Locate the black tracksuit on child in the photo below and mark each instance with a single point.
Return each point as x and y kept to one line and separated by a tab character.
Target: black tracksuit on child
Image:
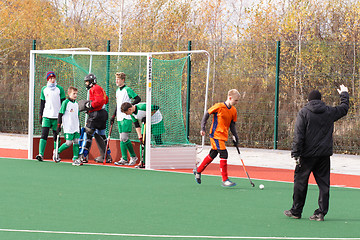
313	144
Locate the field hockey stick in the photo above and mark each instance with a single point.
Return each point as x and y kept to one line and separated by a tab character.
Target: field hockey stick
107	143
57	146
242	162
142	160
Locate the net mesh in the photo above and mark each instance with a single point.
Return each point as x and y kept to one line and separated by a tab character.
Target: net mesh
167	78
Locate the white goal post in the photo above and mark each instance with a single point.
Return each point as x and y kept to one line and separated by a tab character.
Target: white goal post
185	157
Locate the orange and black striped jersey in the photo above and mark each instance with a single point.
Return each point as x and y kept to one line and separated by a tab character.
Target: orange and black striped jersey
222	117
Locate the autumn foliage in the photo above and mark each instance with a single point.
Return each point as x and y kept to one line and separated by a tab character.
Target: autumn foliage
319	49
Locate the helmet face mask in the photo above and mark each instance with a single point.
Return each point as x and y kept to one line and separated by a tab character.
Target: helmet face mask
91	79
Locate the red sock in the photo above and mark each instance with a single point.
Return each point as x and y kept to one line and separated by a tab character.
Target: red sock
223	169
207	160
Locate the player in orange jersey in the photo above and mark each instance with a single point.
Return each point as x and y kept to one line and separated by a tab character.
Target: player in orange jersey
224	117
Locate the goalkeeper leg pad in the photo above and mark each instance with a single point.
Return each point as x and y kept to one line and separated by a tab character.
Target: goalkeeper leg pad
84	151
101	142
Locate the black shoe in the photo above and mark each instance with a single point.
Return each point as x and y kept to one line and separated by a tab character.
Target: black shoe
197	176
289	214
83	159
140	165
39	157
317	217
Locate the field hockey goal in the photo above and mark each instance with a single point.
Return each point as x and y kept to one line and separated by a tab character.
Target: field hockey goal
157	77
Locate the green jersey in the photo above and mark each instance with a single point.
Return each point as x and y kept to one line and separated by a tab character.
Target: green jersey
140	113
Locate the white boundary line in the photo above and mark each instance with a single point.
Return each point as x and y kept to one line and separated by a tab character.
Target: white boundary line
169	236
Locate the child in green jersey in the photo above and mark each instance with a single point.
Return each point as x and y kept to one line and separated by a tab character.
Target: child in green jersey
124	94
69	118
52	95
138	112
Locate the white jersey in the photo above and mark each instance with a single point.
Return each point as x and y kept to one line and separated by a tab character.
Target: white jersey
124	94
52	97
70	118
156	115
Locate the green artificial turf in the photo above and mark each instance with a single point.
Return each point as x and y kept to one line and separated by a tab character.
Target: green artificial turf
100	202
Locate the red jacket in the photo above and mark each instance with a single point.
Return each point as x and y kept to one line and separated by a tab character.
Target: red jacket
98	98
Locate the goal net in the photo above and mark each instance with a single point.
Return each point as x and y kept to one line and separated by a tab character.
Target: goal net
156	77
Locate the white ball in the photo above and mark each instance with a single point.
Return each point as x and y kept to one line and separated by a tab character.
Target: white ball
261	186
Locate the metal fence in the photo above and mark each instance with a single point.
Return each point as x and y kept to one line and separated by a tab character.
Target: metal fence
249	67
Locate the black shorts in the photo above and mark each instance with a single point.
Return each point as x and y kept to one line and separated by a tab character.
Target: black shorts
97	119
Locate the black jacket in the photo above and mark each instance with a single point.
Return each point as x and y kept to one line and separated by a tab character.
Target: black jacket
313	135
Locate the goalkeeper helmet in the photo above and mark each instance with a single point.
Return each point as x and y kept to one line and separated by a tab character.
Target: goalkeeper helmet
91	78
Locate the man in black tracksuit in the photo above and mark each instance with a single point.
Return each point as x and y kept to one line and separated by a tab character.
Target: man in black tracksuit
312	148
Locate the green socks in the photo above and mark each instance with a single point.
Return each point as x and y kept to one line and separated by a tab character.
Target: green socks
127	146
123	148
131	148
75	151
63	147
42	145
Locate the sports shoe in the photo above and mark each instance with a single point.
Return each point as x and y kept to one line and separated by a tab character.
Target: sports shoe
121	162
100	159
290	214
317	217
77	162
83	159
108	158
140	165
132	161
39	157
56	157
197	176
228	183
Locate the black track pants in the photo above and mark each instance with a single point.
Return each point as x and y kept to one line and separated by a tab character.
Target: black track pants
320	167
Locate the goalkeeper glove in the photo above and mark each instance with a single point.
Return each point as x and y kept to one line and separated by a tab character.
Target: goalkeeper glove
40	120
88	106
84	105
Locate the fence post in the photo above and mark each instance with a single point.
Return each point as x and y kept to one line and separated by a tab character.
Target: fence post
276	115
188	91
34	44
107	76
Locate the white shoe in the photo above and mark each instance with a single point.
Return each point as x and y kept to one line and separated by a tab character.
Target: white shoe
133	161
77	162
228	183
121	162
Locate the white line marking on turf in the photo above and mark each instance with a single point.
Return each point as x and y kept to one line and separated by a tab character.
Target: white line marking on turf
170	236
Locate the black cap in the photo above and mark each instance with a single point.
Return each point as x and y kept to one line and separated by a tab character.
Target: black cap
314	95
